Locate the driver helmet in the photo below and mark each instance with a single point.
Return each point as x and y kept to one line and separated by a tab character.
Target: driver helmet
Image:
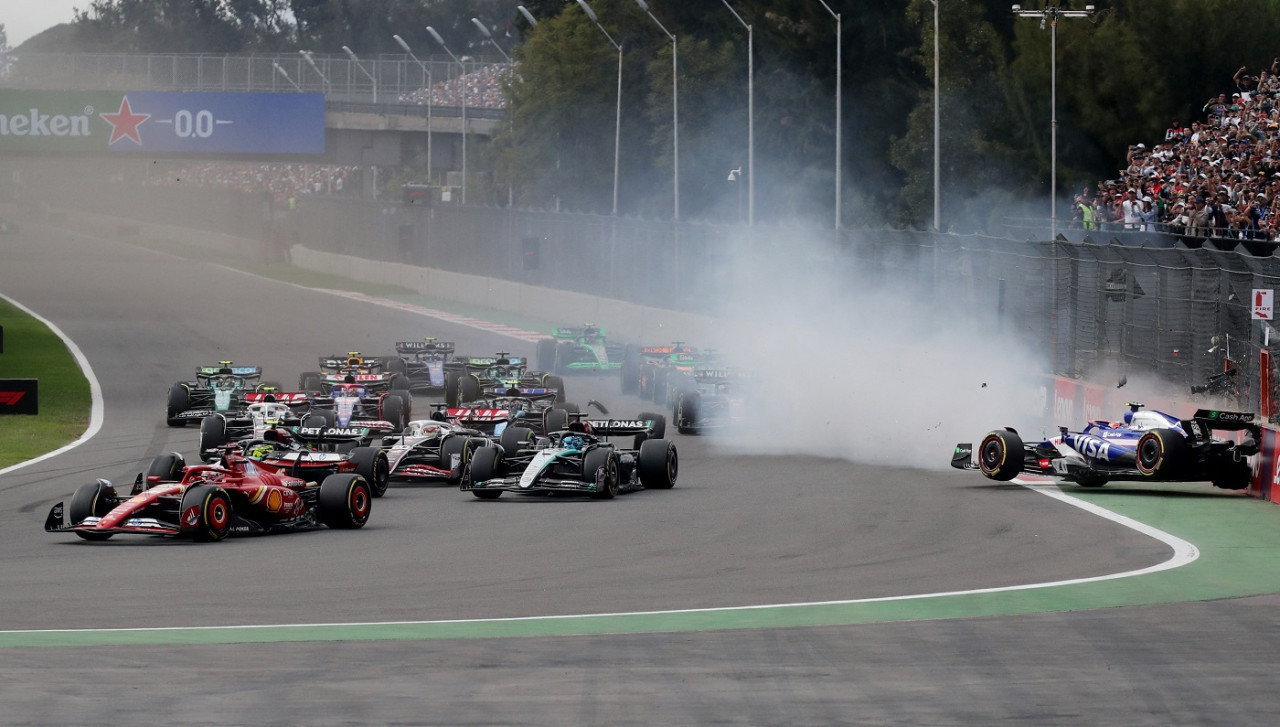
572	442
261	449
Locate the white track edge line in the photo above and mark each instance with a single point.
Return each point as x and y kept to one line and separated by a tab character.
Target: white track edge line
95	390
1184	553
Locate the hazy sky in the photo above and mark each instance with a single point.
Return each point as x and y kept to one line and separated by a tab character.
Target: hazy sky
24	18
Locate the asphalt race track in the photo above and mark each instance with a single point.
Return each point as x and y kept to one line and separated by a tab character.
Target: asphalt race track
735	532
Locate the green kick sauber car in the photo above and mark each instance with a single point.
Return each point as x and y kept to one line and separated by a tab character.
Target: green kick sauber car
579	349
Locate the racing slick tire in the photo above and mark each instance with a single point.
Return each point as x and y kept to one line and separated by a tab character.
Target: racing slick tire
309	381
206	513
168	467
660	386
514	439
1231	472
451	379
460	446
400	382
630	376
602	458
658	464
1160	453
344	501
659	427
546	354
688	407
468	388
93	499
213	434
391	408
395	365
179	401
1000	455
564	356
555	420
485	464
647	372
372	464
557	383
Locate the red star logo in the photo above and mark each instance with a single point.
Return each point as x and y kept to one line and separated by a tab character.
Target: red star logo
125	123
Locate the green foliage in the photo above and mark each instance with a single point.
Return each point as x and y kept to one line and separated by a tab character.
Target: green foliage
1122	76
32	351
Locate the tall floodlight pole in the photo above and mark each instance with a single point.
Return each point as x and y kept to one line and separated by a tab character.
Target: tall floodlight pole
285	73
489	37
839	105
937	133
463	78
675	108
1051	15
352	55
426	79
617	128
528	16
751	118
306	55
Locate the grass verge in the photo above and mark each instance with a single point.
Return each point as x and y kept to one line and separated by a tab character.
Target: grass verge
32	351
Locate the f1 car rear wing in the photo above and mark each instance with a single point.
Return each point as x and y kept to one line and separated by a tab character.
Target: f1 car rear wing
430	345
284	397
329	434
226	369
586	330
619	427
1225	420
350	361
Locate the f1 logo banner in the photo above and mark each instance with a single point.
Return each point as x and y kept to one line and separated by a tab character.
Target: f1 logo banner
162	121
19	396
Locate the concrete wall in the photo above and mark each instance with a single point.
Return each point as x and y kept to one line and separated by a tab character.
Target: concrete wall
638	323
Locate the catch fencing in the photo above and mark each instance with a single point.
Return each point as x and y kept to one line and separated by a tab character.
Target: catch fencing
382	79
1174	307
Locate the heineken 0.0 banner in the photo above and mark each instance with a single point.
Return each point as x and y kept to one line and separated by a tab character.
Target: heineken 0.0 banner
161	121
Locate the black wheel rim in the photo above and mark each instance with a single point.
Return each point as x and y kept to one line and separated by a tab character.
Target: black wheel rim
992	454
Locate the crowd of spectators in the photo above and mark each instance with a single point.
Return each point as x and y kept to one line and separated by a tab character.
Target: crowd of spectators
1217	178
283	182
482	89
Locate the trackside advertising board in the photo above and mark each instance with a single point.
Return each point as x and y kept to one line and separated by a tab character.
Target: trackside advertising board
96	122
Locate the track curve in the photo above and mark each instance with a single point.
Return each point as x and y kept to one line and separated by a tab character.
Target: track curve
734	532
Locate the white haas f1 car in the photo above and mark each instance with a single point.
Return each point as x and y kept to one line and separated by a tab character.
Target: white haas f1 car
1147	445
577	460
432	451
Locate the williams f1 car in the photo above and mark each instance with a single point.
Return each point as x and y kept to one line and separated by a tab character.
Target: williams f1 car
1146	445
716	400
209	502
423	363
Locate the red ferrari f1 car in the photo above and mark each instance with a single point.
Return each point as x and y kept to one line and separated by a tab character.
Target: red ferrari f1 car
208	502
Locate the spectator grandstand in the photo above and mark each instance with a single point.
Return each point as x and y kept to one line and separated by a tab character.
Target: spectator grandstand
282	181
1217	178
482	90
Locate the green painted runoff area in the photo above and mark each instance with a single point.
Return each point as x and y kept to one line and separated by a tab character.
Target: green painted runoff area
1238	538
